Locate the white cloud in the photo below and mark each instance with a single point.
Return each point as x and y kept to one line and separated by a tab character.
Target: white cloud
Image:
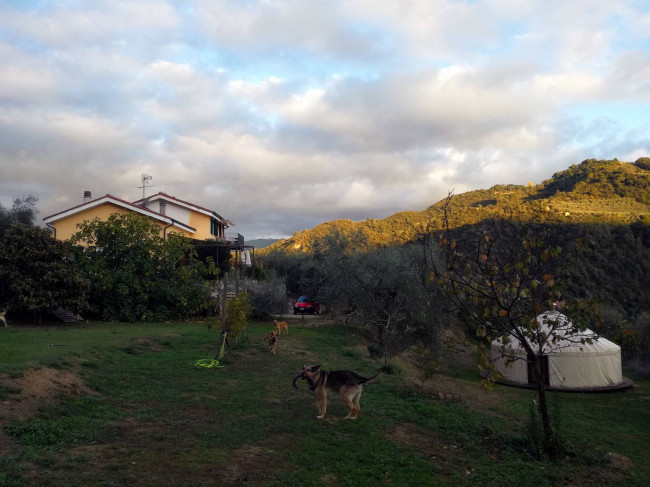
280	115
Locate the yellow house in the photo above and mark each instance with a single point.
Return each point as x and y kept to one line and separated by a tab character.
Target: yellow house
170	213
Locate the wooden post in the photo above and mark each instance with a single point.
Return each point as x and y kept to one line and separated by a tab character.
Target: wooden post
237	282
224	301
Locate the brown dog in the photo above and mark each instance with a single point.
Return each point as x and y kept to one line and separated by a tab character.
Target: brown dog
2	317
281	325
346	383
272	338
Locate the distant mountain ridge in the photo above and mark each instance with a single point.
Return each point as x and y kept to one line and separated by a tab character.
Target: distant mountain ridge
594	191
260	243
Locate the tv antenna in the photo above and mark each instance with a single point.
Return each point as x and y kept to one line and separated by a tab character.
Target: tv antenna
145	178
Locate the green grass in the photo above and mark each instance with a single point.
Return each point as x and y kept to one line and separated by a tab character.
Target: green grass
156	420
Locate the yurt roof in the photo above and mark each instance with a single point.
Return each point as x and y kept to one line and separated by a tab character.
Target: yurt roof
559	325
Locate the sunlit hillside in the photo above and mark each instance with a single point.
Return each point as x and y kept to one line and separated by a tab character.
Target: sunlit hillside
593	191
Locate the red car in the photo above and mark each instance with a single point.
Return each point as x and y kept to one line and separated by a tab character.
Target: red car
306	304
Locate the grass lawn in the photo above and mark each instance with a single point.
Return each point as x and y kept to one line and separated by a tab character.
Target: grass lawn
123	405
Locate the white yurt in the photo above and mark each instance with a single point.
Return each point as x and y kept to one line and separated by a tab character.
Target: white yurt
571	365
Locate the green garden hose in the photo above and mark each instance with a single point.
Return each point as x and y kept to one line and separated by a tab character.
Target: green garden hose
212	363
207	363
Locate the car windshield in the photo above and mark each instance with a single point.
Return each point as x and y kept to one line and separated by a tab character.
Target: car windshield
304	299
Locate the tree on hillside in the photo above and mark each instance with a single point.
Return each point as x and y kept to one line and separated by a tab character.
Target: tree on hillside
23	212
643	163
295	268
385	288
136	274
501	282
37	273
269	296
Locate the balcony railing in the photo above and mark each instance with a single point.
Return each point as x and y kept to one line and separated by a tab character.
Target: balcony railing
234	238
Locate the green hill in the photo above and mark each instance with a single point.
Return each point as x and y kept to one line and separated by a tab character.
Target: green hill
592	192
605	204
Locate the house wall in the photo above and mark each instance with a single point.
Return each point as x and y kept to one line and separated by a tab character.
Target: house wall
194	219
202	224
178	213
67	227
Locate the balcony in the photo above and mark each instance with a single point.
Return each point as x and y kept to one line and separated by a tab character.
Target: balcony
235	239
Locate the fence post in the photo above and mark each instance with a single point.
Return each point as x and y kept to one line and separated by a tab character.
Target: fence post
224	301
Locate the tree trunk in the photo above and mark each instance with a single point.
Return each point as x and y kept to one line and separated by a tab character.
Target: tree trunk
550	448
386	342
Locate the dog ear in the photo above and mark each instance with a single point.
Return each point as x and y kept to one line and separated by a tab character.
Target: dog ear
315	368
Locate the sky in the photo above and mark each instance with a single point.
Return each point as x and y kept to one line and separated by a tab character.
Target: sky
280	115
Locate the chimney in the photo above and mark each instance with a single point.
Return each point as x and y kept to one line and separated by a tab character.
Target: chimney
163	207
87	196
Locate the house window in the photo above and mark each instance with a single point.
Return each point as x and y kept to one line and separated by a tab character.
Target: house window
214	228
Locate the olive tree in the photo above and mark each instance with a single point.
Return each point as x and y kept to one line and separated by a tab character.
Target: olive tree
384	289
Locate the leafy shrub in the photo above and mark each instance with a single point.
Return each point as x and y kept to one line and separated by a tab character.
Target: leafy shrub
238	311
375	350
426	361
37	274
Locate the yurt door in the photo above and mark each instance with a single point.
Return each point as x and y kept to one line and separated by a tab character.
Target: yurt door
533	376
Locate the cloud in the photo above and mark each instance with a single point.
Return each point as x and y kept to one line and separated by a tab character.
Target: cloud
281	115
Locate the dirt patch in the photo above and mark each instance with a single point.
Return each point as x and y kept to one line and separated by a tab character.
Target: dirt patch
144	344
37	388
425	442
139	450
457	355
415	438
250	465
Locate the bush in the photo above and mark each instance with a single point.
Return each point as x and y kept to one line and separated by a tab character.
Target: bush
238	311
426	362
37	274
375	350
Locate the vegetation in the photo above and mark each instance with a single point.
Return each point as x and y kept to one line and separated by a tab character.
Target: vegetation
605	204
151	418
238	311
384	291
611	192
268	297
22	212
137	275
602	179
37	274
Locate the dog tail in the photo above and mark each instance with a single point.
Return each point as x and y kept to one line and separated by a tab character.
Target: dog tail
374	378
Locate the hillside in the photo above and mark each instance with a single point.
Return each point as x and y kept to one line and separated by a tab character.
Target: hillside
592	192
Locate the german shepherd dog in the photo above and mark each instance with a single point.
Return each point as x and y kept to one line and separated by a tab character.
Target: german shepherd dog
346	383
